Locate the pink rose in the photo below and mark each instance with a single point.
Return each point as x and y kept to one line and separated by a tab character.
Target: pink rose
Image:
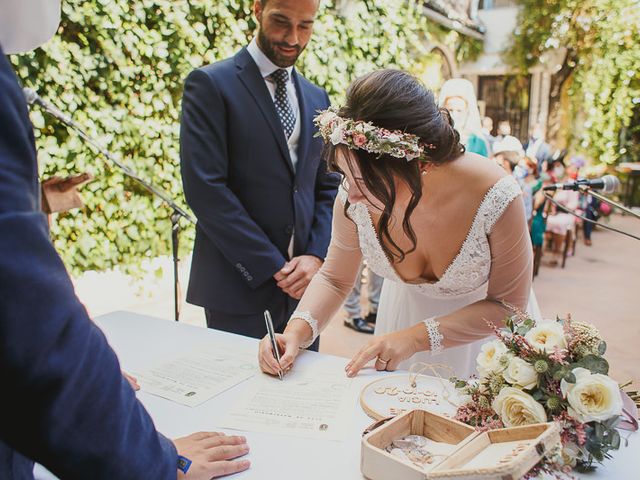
359	139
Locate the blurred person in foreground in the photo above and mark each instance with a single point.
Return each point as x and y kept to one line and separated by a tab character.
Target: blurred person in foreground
65	402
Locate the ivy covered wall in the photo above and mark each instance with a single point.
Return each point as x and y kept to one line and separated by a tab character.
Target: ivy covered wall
118	68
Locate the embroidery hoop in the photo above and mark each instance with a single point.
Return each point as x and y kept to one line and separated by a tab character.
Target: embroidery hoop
411	380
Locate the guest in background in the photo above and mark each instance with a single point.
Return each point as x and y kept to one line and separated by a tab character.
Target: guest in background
509	154
487	128
504	129
590	205
253	175
355	319
458	96
559	221
537	147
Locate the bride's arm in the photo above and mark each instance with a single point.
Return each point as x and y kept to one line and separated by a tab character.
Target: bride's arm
509	281
324	295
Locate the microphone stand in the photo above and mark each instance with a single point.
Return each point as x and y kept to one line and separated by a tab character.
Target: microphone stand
177	212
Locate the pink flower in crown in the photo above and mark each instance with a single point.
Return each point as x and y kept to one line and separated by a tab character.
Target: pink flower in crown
359	139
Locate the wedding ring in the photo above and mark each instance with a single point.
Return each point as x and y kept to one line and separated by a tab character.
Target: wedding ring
381	360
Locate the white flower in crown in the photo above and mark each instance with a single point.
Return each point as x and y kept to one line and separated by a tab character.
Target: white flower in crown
337	136
326	117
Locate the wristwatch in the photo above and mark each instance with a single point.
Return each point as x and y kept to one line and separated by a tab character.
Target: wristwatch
183	464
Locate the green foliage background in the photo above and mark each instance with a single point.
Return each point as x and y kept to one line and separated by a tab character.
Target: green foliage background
603	58
118	67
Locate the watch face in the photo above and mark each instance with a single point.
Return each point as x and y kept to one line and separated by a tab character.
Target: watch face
183	464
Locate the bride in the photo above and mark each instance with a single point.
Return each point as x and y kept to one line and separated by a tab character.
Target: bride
445	228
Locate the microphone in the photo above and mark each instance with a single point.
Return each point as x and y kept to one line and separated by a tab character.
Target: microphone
32	97
608	184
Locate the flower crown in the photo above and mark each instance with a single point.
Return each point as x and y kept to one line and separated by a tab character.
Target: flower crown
357	134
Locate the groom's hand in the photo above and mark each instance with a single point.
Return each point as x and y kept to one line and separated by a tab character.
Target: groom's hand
295	276
212	455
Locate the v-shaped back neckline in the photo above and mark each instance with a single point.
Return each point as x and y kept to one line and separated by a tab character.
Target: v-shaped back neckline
474	225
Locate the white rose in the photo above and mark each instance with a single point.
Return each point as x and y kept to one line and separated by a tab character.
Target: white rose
521	373
516	408
488	360
337	136
593	397
546	336
394	137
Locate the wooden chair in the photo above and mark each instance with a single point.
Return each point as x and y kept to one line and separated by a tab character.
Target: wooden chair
568	241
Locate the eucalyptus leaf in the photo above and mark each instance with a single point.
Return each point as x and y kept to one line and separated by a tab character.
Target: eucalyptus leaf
602	347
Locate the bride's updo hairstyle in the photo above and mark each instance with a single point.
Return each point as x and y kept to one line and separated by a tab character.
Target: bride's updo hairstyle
396	100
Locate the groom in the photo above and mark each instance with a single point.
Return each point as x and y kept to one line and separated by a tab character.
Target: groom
253	175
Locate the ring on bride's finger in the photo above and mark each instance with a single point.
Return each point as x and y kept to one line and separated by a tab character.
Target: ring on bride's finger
382	360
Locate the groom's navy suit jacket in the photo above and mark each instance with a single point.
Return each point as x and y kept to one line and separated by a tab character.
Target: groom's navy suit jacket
63	400
240	182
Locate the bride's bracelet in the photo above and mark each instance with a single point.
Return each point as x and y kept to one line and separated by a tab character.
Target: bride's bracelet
435	337
313	324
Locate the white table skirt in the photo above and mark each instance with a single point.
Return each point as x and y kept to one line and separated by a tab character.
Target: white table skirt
141	341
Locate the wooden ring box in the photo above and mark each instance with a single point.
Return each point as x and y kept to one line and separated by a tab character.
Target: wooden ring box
505	454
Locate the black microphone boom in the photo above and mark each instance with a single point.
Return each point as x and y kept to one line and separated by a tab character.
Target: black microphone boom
177	212
608	184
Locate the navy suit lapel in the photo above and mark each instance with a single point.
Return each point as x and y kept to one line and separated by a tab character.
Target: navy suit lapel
250	76
306	120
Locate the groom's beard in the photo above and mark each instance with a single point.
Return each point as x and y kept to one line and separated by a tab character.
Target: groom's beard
269	48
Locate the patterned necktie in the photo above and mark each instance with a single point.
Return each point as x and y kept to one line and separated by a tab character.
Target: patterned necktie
283	106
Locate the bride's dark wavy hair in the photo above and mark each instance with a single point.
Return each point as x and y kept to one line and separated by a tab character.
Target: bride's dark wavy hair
396	100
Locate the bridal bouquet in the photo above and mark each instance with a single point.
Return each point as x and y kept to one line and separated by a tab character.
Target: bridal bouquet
547	371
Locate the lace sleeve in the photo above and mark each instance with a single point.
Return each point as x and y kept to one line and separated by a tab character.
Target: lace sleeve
435	337
509	281
331	285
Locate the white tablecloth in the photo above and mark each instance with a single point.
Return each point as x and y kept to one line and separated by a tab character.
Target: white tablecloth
141	341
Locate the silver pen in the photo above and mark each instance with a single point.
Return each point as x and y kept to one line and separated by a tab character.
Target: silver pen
272	337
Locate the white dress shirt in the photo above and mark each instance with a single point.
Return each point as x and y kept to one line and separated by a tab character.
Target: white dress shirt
267	67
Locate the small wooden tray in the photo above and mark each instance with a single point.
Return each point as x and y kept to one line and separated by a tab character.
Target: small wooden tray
504	454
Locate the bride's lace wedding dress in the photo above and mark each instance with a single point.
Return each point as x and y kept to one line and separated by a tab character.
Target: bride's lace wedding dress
493	265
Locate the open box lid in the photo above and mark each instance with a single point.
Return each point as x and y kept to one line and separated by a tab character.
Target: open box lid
506	453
